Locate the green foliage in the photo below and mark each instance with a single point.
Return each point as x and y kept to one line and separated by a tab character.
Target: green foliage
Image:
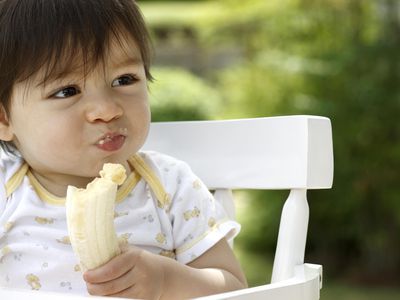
178	95
259	211
175	14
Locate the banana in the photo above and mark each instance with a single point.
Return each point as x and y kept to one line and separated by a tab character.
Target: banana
90	218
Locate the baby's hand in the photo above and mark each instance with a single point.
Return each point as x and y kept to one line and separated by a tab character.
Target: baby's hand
135	273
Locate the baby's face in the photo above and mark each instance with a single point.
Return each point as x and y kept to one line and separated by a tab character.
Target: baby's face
67	129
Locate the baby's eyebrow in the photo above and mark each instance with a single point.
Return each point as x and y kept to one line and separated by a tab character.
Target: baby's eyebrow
127	61
67	76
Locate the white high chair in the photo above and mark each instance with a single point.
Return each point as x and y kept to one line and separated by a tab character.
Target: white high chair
291	152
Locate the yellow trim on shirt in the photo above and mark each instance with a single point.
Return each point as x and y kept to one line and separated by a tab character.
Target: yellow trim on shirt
148	175
44	194
192	243
15	180
127	186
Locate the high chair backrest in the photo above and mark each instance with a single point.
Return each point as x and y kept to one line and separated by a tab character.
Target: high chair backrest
287	152
261	153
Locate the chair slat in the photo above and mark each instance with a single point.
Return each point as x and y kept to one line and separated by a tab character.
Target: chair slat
261	153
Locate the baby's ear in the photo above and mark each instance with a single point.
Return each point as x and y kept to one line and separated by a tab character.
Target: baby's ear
6	133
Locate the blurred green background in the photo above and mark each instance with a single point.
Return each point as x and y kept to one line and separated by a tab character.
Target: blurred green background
336	58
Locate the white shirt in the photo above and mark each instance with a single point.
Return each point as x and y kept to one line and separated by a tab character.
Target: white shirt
35	251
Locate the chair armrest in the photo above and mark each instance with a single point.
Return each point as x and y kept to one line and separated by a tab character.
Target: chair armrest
304	285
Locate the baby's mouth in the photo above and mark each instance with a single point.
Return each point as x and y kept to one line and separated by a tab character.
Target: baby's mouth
105	140
112	141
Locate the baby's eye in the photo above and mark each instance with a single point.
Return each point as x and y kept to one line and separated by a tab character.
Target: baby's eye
126	79
66	92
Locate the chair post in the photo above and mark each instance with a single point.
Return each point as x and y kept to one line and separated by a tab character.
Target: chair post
225	197
292	236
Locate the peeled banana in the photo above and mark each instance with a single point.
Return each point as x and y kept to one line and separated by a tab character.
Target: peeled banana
90	218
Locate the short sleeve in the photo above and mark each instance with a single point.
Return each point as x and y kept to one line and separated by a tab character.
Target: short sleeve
198	220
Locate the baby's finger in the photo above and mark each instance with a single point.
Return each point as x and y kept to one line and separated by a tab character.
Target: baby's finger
128	293
114	286
113	269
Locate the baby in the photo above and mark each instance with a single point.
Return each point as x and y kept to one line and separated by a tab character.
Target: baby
74	96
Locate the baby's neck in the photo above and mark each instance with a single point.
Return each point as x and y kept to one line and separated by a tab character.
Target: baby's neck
57	185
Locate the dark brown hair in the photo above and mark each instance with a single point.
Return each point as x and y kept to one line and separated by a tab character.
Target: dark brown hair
49	35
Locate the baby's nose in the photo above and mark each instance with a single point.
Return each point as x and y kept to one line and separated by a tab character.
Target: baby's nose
104	109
